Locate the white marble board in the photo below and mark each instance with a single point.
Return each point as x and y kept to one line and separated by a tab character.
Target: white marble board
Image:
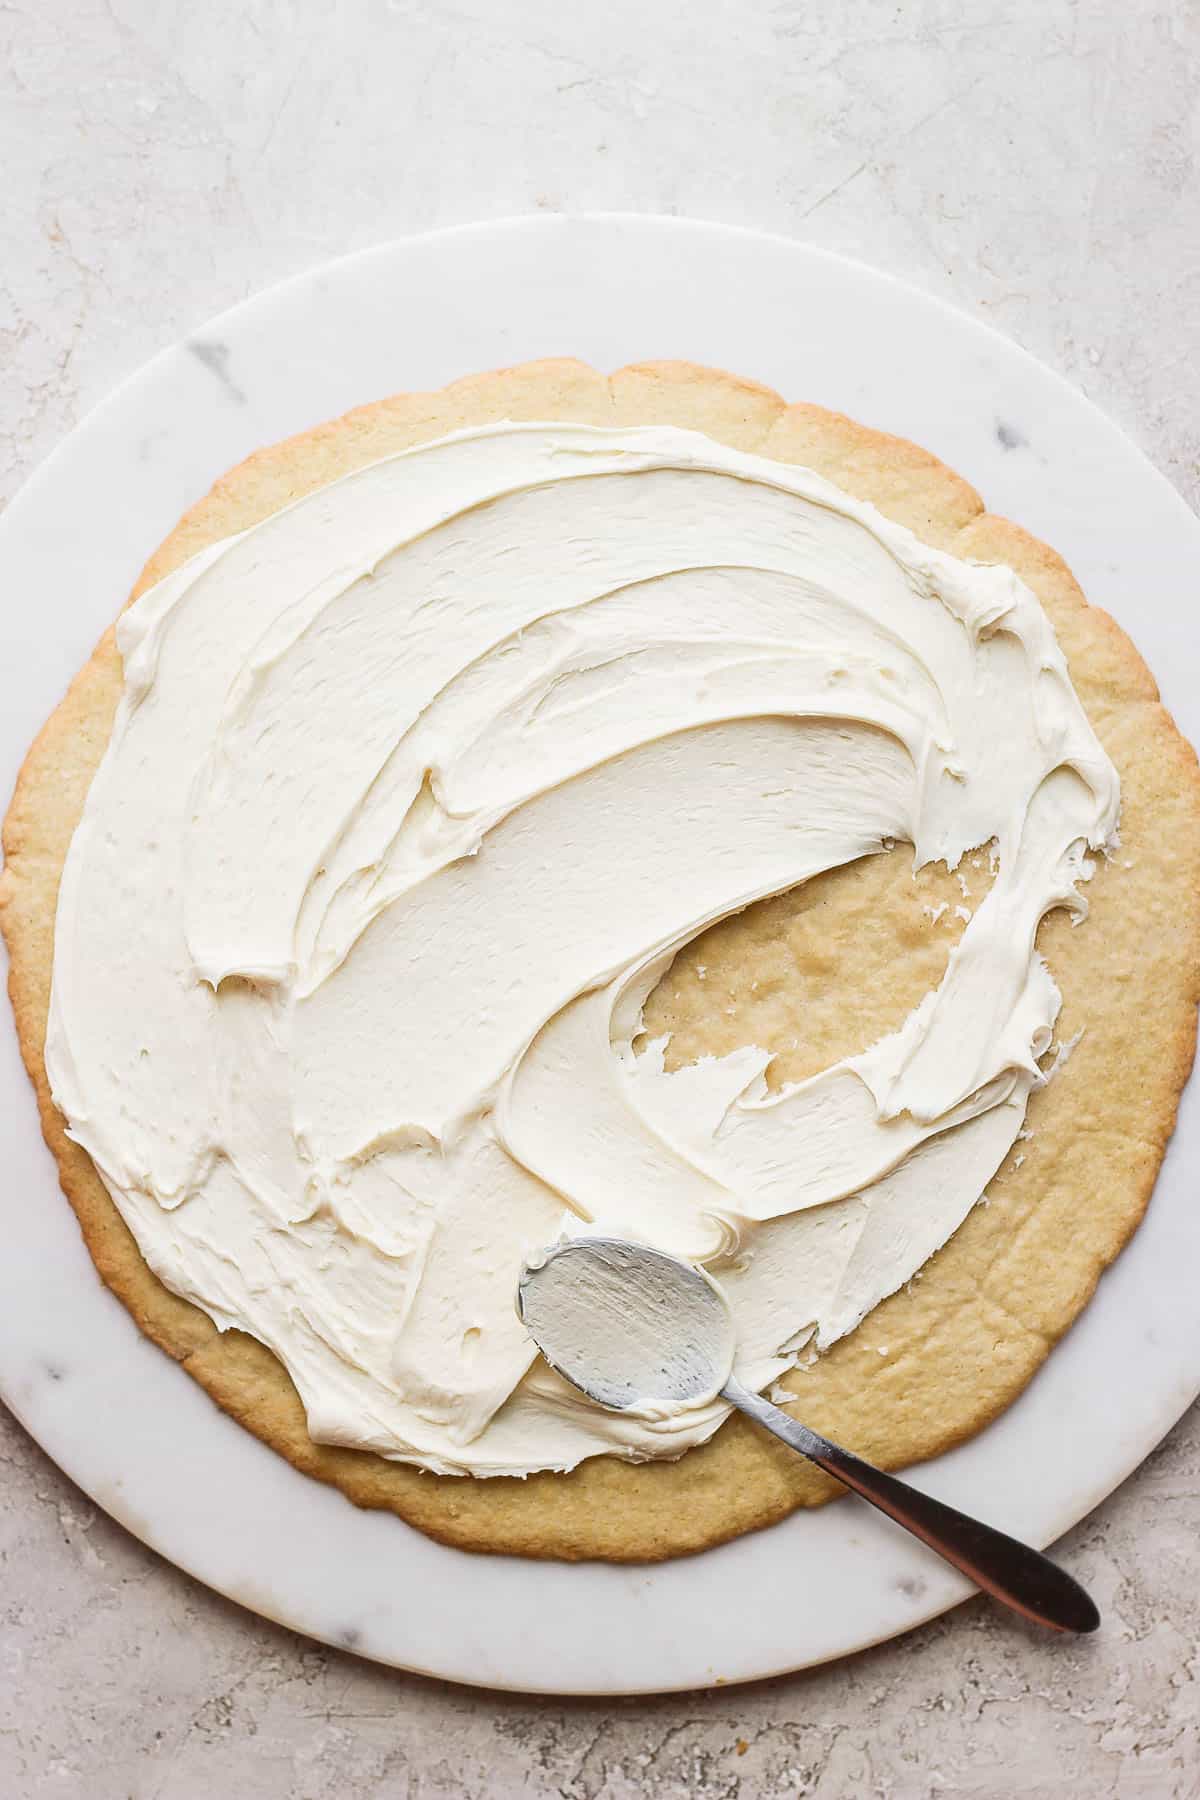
129	1426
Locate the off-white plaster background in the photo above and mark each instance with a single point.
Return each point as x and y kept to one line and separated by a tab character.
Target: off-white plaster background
1033	161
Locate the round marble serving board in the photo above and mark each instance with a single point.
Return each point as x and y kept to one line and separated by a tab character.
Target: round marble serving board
120	1418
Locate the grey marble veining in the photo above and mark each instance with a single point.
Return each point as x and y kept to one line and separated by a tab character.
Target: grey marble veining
1033	163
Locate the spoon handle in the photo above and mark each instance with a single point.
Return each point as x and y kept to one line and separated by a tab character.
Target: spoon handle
1010	1571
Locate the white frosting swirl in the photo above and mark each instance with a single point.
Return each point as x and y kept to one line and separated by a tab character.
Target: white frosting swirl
413	792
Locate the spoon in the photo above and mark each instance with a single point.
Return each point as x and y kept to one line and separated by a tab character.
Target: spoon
641	1332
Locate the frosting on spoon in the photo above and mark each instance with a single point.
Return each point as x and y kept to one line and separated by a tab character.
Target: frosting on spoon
414	791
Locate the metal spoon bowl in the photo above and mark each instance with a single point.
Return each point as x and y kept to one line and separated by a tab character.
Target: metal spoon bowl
641	1332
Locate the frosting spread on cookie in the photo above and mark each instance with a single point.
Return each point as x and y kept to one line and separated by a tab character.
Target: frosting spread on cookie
413	792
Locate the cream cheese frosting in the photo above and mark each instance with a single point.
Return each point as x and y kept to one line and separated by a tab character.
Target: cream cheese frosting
413	793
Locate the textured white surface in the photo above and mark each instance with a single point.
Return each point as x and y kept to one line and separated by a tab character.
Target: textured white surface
159	166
